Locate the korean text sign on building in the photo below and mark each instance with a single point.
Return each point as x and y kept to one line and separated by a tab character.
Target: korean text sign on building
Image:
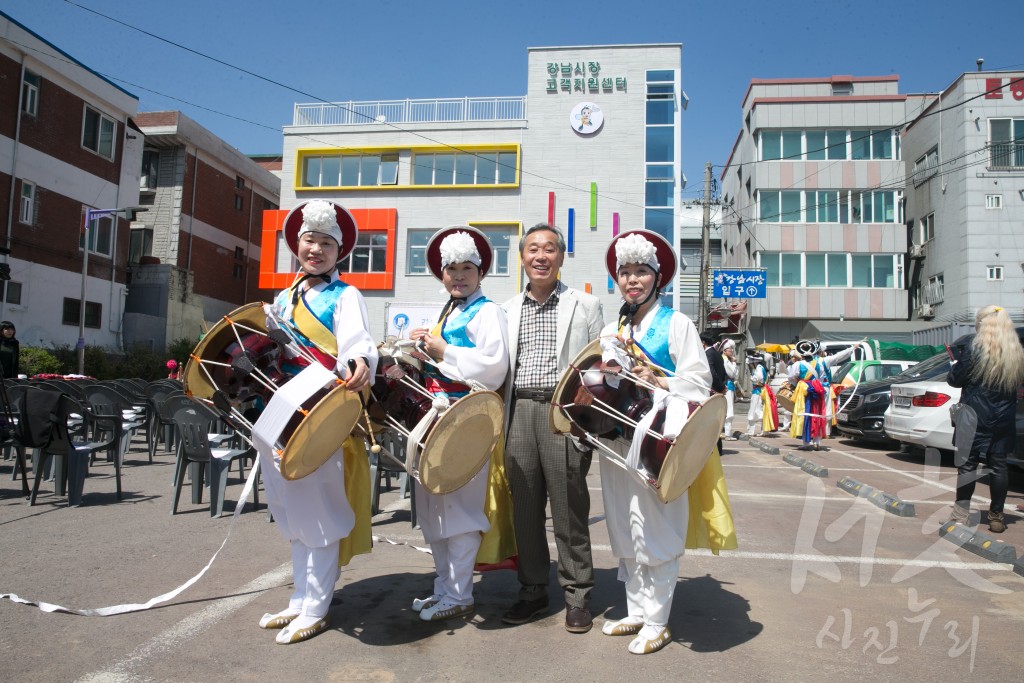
743	283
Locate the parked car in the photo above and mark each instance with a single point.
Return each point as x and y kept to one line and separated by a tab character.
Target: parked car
860	371
861	412
919	414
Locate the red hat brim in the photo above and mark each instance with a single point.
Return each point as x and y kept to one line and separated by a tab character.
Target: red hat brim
662	249
483	246
347	224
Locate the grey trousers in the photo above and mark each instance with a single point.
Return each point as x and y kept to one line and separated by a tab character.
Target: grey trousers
542	466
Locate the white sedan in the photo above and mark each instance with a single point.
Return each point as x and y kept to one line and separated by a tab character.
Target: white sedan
919	414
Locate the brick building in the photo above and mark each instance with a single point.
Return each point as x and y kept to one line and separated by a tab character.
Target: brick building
67	143
195	253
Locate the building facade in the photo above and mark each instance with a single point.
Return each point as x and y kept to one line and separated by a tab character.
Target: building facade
67	143
813	194
195	252
965	198
593	147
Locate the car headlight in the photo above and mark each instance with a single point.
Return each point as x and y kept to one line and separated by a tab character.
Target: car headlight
875	398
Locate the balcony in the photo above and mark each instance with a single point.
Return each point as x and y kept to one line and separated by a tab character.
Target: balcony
410	111
1006	156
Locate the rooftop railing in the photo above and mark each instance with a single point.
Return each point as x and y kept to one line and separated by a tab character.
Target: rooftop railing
410	111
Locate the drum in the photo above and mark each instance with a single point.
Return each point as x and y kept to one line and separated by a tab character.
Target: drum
672	465
447	443
236	368
784	396
457	444
585	371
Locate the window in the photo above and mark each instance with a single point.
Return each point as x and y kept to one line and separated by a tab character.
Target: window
855	144
928	228
10	291
926	166
836	144
832	269
238	271
239	253
98	133
30	94
994	273
465	168
238	202
1006	143
934	291
502	239
239	182
369	255
416	252
101	235
993	201
140	244
27	206
660	143
72	308
150	169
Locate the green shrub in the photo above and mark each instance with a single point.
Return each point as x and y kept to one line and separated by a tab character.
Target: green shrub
34	361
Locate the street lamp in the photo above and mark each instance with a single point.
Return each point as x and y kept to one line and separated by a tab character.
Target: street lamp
90	216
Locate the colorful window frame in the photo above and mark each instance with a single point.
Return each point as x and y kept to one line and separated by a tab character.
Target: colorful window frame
406	160
369	221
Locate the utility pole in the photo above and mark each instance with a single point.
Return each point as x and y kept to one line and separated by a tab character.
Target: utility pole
705	252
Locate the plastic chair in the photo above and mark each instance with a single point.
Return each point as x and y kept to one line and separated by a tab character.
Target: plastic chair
193	424
383	466
158	424
72	455
107	410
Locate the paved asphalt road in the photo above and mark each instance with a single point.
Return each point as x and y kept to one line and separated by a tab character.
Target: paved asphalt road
823	586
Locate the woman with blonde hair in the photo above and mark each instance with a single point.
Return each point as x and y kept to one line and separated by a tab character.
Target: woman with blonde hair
989	367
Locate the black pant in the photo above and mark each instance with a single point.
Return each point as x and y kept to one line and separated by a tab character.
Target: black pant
998	479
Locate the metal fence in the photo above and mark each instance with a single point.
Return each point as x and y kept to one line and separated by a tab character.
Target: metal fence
410	111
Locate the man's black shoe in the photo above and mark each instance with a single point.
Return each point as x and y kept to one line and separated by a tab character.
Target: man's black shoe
525	610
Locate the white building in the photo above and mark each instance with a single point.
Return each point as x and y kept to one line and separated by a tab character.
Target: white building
965	198
592	147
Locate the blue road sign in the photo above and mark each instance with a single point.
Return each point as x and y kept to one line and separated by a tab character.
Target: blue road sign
739	283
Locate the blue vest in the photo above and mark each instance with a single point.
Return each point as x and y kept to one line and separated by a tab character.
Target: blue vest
654	343
453	331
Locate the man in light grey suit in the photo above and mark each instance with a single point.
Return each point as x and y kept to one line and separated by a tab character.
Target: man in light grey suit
548	325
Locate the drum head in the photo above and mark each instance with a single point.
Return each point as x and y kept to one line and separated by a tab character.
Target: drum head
557	419
461	441
692	448
784	397
321	433
221	336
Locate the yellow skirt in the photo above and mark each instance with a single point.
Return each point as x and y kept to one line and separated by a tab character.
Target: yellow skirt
710	523
357	489
499	542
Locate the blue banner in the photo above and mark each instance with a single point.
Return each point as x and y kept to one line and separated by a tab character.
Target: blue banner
739	283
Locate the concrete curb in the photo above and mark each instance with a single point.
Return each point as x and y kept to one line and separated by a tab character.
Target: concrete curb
982	545
881	499
764	446
807	466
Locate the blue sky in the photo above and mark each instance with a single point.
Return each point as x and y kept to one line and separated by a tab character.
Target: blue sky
391	50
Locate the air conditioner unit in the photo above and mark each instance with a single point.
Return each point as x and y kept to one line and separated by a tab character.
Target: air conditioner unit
926	311
916	251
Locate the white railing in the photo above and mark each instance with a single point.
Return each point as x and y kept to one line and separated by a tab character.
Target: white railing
410	111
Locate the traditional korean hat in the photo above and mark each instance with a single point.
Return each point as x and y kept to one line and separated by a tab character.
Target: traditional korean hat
645	247
458	244
322	216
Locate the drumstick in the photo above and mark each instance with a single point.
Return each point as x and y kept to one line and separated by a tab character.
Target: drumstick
374	446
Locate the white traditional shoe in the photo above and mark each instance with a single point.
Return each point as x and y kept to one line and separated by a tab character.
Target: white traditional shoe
652	641
623	627
279	620
296	634
444	609
420	604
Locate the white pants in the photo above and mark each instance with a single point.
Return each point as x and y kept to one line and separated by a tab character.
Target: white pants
755	415
730	398
649	590
830	411
314	572
454	558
